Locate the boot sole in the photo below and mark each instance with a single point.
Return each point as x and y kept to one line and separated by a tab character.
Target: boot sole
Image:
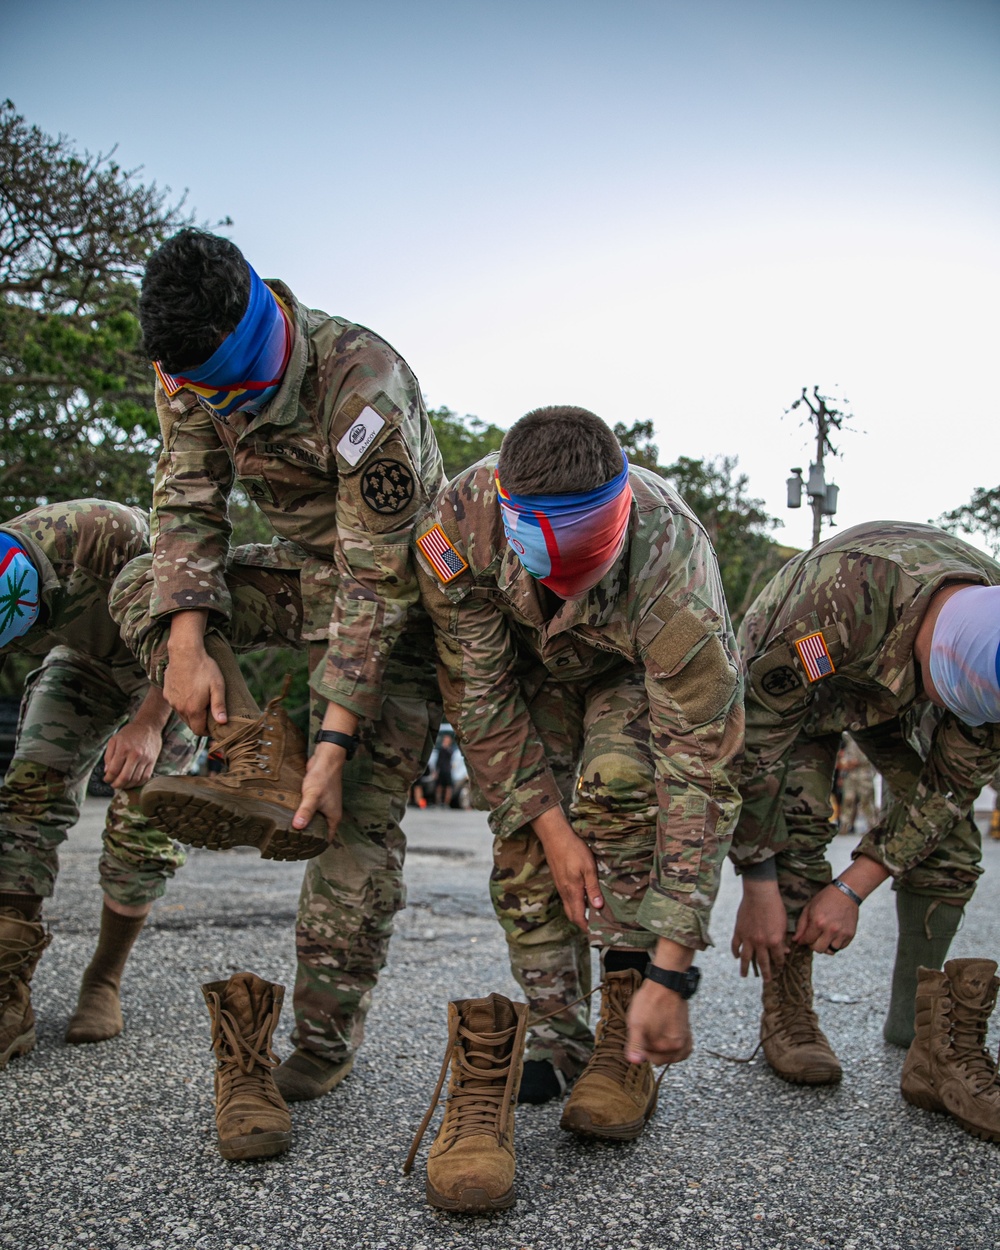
19	1046
474	1201
579	1122
205	822
923	1096
816	1076
254	1145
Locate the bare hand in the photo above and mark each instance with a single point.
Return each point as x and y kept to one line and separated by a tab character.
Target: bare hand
322	788
658	1026
761	932
131	756
574	871
828	923
193	685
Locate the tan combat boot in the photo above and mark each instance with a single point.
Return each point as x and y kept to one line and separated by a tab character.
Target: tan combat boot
252	803
471	1164
251	1116
21	945
794	1044
613	1098
948	1067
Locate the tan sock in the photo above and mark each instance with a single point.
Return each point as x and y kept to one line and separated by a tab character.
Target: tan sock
98	1014
239	700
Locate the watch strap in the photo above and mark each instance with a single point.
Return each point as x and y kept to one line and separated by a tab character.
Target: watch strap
683	983
348	741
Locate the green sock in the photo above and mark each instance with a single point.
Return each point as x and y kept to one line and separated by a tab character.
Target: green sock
926	927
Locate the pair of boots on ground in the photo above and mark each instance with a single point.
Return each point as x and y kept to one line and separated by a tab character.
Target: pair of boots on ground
947	1067
471	1163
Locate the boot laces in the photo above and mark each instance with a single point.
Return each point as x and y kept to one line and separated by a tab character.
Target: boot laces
480	1098
612	1033
971	1022
14	954
244	1062
248	750
796	1019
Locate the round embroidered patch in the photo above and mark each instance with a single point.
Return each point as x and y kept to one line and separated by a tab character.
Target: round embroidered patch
780	681
387	486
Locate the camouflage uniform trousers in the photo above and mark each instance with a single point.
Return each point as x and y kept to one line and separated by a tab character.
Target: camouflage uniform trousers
71	707
596	741
351	892
949	873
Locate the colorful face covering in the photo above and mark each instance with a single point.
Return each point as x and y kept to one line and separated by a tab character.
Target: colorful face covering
244	373
965	655
568	541
18	591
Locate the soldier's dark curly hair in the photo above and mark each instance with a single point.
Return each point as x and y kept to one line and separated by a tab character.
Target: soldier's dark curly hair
195	291
553	451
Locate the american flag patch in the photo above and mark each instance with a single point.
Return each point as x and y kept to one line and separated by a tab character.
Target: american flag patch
815	657
441	555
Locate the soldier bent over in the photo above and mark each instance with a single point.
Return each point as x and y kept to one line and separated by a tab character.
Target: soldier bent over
323	424
589	668
889	631
58	563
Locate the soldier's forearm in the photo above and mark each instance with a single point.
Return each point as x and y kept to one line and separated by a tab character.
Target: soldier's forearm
187	631
154	711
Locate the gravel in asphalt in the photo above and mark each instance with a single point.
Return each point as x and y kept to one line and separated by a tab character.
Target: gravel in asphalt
113	1145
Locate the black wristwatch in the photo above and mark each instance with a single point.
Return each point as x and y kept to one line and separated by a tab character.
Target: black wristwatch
348	741
684	983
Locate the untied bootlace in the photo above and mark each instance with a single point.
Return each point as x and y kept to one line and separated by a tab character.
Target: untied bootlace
473	1103
252	1058
473	1119
246	751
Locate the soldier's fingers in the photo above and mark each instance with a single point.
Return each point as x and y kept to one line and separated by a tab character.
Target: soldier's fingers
575	902
217	699
592	887
763	962
306	811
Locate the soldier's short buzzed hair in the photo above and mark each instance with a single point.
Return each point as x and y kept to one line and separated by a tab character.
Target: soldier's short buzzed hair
195	291
558	450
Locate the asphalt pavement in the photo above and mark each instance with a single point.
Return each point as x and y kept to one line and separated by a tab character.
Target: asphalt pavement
113	1145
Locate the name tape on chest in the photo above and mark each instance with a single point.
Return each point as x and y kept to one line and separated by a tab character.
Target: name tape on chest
815	657
441	555
360	436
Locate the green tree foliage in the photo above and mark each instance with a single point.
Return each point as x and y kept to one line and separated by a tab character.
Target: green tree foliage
981	515
76	393
463	440
737	523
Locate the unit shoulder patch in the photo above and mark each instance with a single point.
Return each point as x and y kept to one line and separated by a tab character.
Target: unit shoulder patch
387	487
814	656
441	555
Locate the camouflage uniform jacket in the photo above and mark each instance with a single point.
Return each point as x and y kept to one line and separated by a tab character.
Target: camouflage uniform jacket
340	462
866	592
79	548
661	608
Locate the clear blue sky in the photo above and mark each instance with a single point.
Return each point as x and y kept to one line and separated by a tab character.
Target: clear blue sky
681	211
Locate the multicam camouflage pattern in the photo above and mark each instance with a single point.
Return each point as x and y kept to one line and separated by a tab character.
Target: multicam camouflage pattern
866	591
351	892
340	462
634	688
89	685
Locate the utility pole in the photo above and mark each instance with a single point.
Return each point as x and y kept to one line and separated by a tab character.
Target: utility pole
822	494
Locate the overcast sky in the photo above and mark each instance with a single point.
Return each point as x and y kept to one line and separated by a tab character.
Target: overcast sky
682	211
